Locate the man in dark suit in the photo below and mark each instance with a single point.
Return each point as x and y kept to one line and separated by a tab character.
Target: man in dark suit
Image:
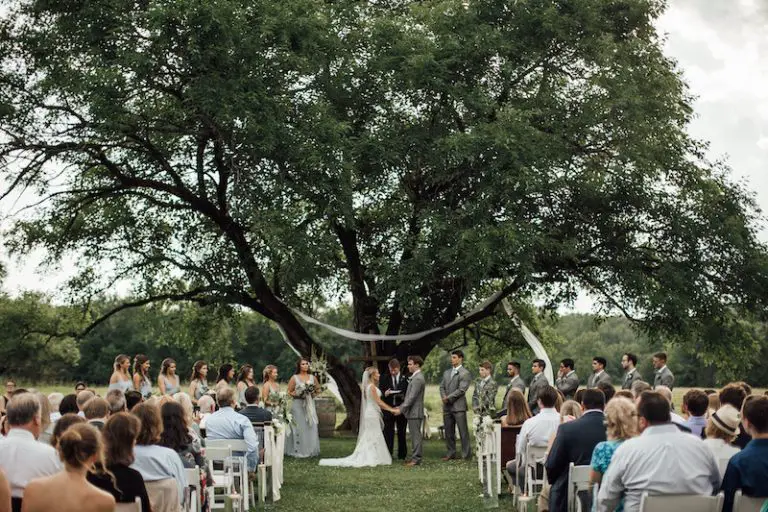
252	411
575	441
393	388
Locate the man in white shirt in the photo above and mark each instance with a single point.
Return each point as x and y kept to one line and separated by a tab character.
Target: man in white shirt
674	417
226	423
22	457
537	430
662	460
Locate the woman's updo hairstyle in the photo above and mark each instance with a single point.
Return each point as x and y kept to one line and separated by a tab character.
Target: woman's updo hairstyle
119	360
79	443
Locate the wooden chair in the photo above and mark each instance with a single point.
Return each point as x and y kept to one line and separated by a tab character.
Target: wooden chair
681	503
743	503
129	507
508	441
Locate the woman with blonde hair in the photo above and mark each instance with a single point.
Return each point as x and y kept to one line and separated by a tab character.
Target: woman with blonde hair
621	424
270	385
79	449
722	430
121	378
517	409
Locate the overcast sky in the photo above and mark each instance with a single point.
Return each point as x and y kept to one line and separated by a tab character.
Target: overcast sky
721	47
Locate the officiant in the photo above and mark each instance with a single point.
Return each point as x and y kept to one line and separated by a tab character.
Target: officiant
393	388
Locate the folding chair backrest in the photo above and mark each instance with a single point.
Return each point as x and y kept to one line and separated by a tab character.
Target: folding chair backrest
164	495
578	481
743	503
269	444
681	503
193	479
129	507
535	454
236	445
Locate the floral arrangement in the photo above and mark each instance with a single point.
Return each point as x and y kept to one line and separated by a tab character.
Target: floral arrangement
318	366
280	410
483	426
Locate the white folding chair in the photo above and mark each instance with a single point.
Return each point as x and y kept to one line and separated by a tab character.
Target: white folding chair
681	503
222	480
129	507
743	503
534	455
193	479
239	472
578	481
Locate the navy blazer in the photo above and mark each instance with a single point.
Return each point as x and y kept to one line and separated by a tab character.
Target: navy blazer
575	442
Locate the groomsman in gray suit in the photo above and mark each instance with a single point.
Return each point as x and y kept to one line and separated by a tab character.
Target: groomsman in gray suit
538	382
413	407
598	373
629	362
453	391
515	381
663	376
567	381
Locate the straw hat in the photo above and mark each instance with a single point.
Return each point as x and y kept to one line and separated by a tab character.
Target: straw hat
727	419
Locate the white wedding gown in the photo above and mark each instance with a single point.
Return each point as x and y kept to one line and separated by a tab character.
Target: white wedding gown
371	449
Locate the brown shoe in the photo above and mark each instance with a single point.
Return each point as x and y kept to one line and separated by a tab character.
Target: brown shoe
411	463
447	458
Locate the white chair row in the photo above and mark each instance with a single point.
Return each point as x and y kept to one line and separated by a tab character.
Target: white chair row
489	461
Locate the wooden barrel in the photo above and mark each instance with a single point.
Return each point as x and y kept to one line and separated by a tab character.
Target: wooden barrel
326	416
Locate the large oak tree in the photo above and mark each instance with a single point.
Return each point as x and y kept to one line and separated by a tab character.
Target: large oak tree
414	154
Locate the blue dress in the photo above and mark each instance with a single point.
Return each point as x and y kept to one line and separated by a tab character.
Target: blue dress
122	385
601	457
171	387
303	440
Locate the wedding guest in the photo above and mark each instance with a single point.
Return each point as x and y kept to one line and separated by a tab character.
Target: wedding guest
252	411
538	382
303	439
579	395
96	411
621	424
575	442
68	405
10	387
569	411
189	412
676	418
54	401
176	435
515	382
748	469
695	403
638	387
5	493
608	390
270	385
598	373
722	429
688	466
132	399
244	381
198	384
46	426
226	423
116	400
662	375
393	388
62	425
484	396
453	392
567	381
83	397
121	378
734	395
631	375
79	448
168	381
714	402
122	482
22	457
80	386
153	461
225	377
517	411
141	381
625	393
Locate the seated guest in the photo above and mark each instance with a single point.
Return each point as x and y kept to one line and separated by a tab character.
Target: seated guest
132	399
252	411
748	469
125	484
569	411
45	415
625	393
54	401
82	398
696	403
5	492
22	457
189	413
734	394
575	442
226	423
638	387
69	490
714	403
153	461
722	429
607	389
517	410
621	424
96	411
62	425
80	386
116	400
661	460
207	405
536	431
674	417
68	405
177	437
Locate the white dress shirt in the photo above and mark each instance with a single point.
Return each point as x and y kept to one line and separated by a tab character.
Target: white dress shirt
662	460
156	462
722	451
226	423
537	430
24	459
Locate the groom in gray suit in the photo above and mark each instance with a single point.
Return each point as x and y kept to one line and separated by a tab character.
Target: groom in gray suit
413	407
453	391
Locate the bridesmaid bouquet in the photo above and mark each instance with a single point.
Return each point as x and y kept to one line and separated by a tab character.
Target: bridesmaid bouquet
280	411
318	366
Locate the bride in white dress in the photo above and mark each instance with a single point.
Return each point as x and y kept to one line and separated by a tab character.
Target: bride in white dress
371	449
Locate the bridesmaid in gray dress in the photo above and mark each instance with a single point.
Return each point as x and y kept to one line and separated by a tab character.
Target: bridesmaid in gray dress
303	440
141	381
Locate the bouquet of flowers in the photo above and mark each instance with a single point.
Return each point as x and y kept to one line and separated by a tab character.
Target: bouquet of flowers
308	390
483	426
318	367
280	411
